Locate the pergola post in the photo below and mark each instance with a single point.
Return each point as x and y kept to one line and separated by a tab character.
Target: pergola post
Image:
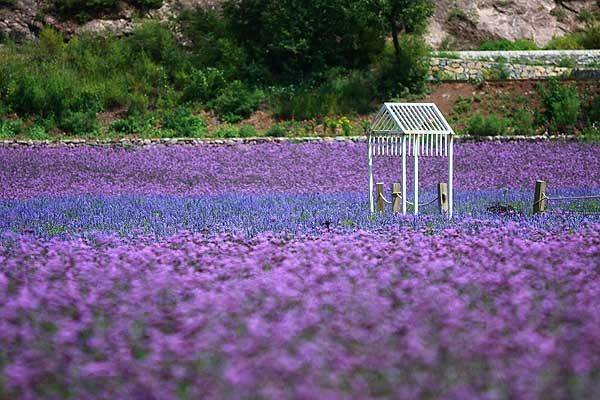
416	150
404	175
370	157
451	177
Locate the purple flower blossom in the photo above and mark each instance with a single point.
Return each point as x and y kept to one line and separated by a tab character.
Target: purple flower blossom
256	272
282	168
500	314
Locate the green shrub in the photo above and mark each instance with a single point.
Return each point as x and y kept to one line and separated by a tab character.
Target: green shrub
137	104
490	125
50	44
508	45
462	105
227	131
8	3
133	124
449	43
37	132
586	16
562	105
156	41
205	85
51	80
80	123
232	131
25	94
346	125
498	71
153	50
277	130
183	124
567	42
114	92
296	102
590	38
347	92
457	14
565	114
247	131
523	122
593	111
212	43
405	72
237	102
566	62
343	92
10	128
559	13
591	133
51	91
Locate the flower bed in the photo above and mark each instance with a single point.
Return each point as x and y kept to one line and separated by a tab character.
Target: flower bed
282	168
403	315
255	271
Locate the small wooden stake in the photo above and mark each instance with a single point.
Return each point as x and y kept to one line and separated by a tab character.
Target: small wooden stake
443	197
379	187
397	197
539	202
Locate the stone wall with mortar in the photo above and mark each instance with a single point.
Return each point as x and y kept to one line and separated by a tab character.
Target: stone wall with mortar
135	142
500	65
551	57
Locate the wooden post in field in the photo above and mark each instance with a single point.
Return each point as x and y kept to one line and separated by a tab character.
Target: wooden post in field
397	197
539	201
443	197
379	187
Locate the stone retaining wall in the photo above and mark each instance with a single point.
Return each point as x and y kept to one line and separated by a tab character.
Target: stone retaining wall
234	141
469	70
580	58
501	65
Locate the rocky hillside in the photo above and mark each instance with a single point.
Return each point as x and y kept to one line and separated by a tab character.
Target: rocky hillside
23	19
466	23
461	23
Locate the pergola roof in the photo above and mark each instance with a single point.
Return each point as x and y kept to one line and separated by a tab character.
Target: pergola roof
410	119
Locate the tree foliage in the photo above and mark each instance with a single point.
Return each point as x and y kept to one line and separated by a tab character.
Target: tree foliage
402	16
296	38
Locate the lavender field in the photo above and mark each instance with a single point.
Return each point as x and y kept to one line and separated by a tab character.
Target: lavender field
255	272
336	167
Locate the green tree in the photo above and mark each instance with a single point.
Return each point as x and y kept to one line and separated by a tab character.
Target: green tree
295	39
402	16
562	105
212	44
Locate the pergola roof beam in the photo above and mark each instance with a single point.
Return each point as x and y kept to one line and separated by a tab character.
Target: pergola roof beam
410	119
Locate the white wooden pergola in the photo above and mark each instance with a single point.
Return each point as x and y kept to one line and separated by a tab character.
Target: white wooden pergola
413	129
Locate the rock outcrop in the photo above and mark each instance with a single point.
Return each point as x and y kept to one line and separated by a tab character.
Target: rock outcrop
468	22
21	20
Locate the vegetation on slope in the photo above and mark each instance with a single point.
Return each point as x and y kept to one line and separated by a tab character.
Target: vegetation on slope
315	66
307	61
